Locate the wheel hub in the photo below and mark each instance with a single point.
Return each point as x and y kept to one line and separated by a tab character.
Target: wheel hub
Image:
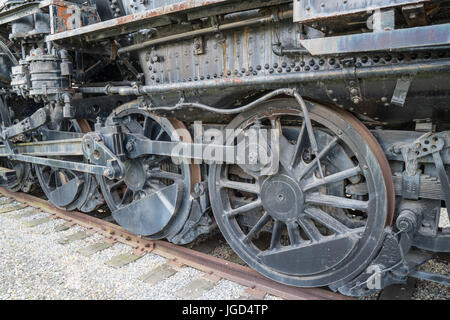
282	197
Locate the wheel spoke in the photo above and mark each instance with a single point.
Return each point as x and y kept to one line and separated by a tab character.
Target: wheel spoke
134	126
337	202
293	232
245	208
126	194
257	227
159	174
339	176
148	126
154	162
159	135
241	186
115	184
300	145
286	151
325	219
51	177
276	234
310	229
314	163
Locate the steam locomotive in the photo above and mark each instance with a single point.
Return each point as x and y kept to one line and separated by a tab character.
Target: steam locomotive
315	135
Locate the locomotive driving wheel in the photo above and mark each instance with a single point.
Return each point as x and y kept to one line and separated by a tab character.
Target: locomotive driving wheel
24	178
67	188
301	226
153	198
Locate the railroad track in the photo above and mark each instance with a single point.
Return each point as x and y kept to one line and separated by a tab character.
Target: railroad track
214	268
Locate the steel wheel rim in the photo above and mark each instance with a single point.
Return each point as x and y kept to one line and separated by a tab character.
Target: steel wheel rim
168	132
44	177
350	266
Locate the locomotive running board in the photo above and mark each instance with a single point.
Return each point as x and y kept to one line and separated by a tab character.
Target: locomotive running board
436	35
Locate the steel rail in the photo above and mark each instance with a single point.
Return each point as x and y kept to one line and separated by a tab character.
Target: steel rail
201	261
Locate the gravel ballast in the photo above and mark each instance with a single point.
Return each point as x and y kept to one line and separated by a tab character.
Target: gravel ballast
35	266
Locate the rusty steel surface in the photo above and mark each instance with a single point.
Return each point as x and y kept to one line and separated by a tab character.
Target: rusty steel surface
131	22
178	254
310	10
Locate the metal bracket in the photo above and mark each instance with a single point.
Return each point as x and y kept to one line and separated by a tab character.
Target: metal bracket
97	153
401	91
355	91
383	20
36	120
199	46
415	15
421	147
411	186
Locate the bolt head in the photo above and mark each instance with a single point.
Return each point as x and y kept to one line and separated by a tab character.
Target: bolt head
356	100
109	173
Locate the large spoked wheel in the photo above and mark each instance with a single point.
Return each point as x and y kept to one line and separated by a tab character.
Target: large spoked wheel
305	225
67	188
153	198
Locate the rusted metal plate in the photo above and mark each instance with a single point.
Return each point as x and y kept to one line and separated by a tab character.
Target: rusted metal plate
123	259
80	235
13	208
36	222
94	248
158	274
132	22
194	289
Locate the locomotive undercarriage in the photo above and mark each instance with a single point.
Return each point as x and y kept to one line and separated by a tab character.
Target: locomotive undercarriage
327	169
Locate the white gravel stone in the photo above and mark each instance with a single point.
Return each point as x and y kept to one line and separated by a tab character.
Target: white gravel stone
224	290
35	266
